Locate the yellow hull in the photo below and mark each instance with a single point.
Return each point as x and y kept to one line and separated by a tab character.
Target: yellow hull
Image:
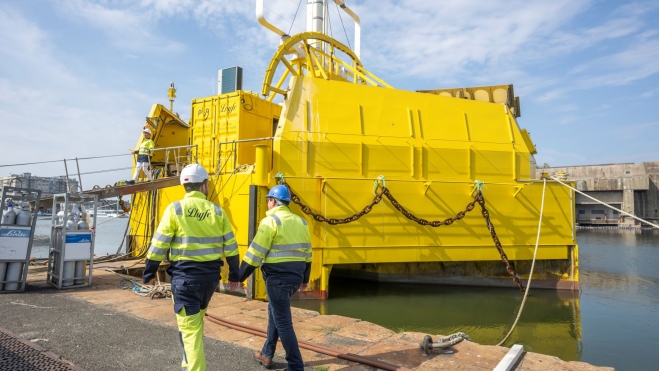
331	139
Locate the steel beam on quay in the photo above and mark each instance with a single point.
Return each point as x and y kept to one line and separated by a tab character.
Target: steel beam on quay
122	190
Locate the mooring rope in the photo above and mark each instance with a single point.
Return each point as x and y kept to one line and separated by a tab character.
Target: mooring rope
535	253
605	204
161	290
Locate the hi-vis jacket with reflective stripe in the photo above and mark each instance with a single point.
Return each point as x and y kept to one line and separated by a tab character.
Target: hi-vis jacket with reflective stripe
193	229
146	147
282	237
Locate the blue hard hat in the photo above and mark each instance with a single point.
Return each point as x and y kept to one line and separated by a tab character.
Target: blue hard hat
279	192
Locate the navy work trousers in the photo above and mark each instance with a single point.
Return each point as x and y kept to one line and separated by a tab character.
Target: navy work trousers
193	294
280	325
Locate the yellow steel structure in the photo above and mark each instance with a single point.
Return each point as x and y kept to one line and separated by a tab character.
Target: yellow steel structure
337	130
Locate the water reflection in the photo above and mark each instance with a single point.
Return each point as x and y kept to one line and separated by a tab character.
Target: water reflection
109	236
612	322
551	318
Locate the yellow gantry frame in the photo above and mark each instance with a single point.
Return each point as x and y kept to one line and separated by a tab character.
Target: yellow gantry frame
316	61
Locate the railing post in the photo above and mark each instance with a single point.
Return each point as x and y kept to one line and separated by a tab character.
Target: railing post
66	169
235	154
79	177
262	166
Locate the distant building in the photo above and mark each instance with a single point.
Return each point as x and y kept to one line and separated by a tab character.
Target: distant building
629	187
48	185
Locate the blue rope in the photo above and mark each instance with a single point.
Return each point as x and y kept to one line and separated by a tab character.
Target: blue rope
377	183
478	186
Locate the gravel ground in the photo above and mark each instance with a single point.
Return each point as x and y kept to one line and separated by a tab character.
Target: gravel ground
100	339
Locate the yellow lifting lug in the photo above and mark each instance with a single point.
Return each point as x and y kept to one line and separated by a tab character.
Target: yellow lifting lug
323	183
427	184
518	189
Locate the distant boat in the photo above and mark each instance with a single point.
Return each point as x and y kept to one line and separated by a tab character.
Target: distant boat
103	213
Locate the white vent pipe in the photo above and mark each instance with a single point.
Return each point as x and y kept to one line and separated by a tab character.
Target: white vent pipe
358	28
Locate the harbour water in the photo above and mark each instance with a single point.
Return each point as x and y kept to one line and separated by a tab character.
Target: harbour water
109	235
611	322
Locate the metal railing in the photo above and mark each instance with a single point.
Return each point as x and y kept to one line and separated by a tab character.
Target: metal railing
175	151
233	151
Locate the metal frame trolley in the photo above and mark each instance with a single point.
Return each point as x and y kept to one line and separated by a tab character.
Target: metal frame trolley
16	236
72	239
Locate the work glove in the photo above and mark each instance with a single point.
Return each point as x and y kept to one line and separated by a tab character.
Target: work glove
233	286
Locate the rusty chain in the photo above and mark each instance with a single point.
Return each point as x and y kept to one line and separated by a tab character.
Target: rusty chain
334	221
497	243
123	206
434	223
478	198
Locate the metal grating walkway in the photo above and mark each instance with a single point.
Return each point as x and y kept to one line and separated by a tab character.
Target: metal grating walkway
21	355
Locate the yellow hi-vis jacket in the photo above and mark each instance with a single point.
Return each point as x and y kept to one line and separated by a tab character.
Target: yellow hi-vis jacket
282	237
146	147
193	229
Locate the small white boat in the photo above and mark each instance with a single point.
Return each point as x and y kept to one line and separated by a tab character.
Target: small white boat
103	213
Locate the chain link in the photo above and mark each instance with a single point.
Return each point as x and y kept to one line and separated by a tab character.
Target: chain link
123	206
478	198
434	223
497	243
334	221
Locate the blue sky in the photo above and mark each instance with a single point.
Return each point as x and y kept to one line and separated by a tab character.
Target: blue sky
77	77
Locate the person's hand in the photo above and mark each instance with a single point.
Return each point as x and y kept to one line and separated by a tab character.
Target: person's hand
303	286
233	286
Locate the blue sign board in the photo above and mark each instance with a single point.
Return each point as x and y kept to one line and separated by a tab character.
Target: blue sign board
14	232
79	238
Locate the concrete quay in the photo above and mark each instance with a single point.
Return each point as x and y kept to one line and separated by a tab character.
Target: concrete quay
629	187
109	317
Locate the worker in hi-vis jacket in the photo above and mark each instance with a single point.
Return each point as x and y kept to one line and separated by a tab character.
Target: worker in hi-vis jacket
196	233
282	248
144	154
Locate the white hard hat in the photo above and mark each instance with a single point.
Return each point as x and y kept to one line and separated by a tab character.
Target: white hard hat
147	130
194	173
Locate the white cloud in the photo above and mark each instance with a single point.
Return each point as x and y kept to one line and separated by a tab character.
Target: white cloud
445	43
127	26
51	113
443	39
636	62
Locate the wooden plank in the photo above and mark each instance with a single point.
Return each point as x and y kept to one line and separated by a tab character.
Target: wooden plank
510	360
